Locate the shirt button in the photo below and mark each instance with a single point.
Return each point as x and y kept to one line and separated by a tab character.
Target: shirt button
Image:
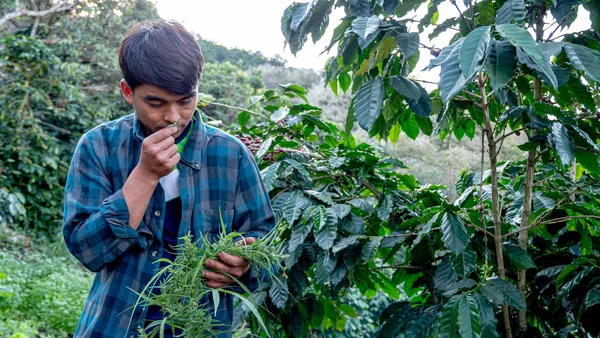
154	253
157	213
197	165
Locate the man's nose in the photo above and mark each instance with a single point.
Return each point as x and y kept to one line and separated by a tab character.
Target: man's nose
172	114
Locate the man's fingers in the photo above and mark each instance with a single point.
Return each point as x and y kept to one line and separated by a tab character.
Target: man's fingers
213	277
231	260
218	266
161	135
216	285
166	143
246	241
171	151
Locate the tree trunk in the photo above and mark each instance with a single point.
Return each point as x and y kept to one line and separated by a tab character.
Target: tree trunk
493	155
528	186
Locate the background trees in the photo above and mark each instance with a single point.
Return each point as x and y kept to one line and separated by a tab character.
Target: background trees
511	217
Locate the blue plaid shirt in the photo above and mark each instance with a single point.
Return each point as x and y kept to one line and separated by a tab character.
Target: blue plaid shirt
218	176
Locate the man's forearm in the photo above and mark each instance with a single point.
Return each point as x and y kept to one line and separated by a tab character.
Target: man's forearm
137	191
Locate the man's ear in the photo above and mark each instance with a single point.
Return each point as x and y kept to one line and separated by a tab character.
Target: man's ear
127	92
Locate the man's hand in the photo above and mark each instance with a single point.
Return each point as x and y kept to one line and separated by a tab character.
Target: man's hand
232	265
158	158
159	153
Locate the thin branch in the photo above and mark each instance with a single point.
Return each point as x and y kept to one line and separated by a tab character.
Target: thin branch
481	207
36	22
551	221
472	5
61	6
370	186
516	131
406	267
241	109
461	14
425	81
279	193
480	229
436	24
473	95
561	22
557	205
62	130
563	35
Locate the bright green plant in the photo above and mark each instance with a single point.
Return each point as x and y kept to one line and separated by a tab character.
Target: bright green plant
48	291
486	247
184	288
343	208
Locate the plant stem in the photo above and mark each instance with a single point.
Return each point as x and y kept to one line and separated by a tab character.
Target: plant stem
241	109
529	184
493	154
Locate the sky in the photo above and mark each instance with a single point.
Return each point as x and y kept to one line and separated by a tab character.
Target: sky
250	25
256	26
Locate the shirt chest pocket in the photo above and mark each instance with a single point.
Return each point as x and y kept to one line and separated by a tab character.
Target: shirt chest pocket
215	222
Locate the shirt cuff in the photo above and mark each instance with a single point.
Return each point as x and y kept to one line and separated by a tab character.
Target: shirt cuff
115	212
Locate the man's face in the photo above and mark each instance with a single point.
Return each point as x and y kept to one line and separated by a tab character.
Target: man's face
157	108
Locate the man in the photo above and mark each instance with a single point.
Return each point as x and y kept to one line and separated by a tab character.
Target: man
139	183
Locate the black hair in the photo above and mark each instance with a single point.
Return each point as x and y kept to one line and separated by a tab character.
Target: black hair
161	53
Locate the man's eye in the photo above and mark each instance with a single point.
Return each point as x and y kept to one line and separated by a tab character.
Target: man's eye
185	103
154	104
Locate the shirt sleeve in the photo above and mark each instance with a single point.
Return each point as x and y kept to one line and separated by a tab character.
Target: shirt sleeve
254	215
96	218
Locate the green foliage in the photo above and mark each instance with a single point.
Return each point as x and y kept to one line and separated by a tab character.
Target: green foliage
184	287
44	294
229	85
496	77
52	89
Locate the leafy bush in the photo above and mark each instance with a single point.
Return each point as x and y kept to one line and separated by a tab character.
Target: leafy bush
47	290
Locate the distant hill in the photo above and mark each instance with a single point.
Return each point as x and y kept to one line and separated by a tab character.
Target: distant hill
214	52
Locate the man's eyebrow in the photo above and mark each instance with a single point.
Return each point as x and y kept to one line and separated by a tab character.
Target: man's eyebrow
151	97
190	95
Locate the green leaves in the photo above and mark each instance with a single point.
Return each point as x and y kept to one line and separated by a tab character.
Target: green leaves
301	19
465	263
593	297
449	318
473	50
584	59
454	234
452	80
468	318
328	233
416	96
405	87
519	37
499	291
279	292
367	29
294	206
519	257
487	319
325	266
562	143
500	63
511	11
368	103
408	43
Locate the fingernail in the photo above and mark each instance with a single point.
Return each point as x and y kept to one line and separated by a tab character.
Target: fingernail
175	129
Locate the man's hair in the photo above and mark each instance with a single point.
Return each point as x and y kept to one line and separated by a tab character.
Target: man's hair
161	53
